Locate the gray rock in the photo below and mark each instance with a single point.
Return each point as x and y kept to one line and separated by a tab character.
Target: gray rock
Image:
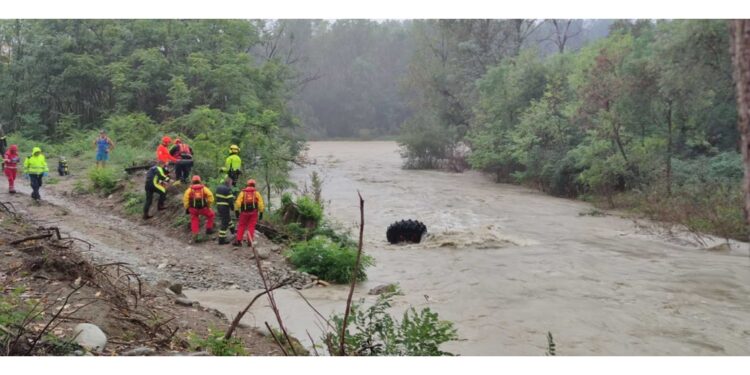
161	266
184	301
380	289
176	288
90	337
140	351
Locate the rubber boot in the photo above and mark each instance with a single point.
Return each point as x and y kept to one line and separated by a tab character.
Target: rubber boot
209	231
236	243
223	241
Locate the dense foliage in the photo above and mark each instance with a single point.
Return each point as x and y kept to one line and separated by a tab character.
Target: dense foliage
140	79
643	110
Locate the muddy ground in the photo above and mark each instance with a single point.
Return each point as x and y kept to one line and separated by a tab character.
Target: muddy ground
156	251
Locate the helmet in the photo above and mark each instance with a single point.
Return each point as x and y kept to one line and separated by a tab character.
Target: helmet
251	182
13	148
177	141
234	148
196	178
223	170
166	140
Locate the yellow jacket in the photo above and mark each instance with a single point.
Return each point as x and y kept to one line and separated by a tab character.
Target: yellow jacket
36	163
241	198
206	192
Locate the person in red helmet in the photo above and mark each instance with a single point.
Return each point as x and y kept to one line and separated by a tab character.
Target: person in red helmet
11	160
198	200
184	155
162	151
250	205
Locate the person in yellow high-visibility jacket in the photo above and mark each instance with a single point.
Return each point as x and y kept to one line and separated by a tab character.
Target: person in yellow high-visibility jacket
35	166
233	164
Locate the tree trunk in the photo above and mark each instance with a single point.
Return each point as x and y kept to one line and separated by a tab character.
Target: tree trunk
669	147
740	37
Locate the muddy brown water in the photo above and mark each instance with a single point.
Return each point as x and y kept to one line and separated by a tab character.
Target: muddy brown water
507	265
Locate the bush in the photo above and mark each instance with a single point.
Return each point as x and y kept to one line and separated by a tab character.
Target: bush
425	142
133	203
103	180
374	332
215	344
309	209
328	260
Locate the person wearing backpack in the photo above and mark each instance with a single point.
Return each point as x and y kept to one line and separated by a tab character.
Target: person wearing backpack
250	205
11	160
35	167
184	155
198	200
233	164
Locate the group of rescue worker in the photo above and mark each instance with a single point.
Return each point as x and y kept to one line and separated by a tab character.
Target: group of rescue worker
34	167
198	200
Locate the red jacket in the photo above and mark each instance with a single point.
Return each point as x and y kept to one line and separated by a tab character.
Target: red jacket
162	154
11	160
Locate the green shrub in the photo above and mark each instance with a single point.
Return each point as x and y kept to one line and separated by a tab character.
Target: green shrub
133	203
374	332
103	180
309	209
328	260
215	344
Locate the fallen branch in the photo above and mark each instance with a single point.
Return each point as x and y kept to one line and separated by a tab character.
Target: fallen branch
31	238
342	341
236	320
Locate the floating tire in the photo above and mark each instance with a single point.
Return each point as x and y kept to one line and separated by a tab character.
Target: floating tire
406	231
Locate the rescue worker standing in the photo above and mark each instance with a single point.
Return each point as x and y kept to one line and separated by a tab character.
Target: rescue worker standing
103	146
224	203
233	164
162	151
156	180
184	155
35	166
10	161
198	200
250	205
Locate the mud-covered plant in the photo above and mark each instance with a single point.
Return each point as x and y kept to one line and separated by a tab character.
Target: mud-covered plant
373	331
215	344
328	260
133	203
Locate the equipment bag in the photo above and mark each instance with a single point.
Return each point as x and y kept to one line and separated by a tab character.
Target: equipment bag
197	197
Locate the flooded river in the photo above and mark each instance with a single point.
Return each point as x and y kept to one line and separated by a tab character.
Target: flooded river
507	264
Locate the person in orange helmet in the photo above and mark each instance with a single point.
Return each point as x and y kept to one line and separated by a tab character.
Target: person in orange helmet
162	151
197	201
250	205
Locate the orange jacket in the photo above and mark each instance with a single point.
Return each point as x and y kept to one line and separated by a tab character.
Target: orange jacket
162	154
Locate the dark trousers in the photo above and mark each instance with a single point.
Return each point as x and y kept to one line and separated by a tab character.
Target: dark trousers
150	190
36	184
226	219
182	170
234	175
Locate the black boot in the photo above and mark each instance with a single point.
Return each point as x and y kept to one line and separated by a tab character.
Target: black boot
209	231
223	241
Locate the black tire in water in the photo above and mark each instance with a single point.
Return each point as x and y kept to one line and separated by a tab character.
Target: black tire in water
406	231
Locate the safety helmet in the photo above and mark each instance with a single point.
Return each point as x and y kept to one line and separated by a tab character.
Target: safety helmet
251	182
196	178
234	148
166	140
177	141
13	148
